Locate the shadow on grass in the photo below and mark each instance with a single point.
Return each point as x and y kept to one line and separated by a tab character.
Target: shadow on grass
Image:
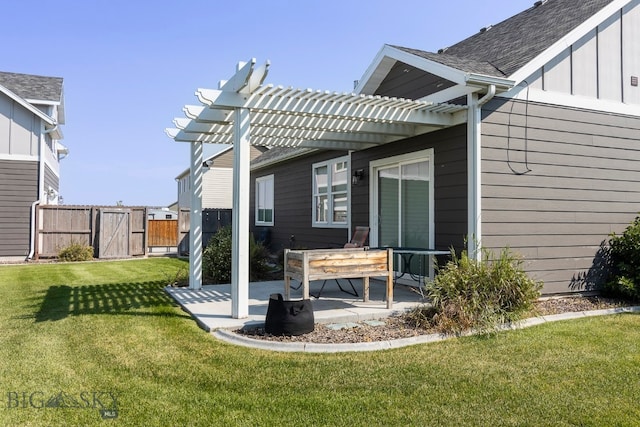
137	299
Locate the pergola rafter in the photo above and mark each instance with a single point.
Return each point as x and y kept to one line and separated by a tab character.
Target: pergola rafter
243	111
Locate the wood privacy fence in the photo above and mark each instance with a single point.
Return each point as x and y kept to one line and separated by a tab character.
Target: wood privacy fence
212	221
114	232
118	231
163	232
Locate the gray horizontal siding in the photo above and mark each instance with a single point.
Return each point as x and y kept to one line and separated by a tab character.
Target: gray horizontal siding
51	179
292	180
555	183
293	205
18	190
450	181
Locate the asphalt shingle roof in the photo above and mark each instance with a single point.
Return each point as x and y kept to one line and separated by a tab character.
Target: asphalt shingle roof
276	154
506	47
29	86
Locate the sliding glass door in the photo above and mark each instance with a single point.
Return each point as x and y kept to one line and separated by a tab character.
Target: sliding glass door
402	208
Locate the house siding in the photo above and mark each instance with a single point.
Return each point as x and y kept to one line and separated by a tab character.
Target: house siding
556	181
18	190
599	65
450	181
292	210
292	192
19	129
217	183
51	179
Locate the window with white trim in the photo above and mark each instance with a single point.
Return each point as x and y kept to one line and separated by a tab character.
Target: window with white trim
331	193
264	200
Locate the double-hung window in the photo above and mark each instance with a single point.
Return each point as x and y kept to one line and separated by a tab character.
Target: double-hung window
331	193
264	200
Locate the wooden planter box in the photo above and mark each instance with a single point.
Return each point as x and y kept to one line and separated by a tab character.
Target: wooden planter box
324	264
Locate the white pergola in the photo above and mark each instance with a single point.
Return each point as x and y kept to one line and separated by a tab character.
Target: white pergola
243	112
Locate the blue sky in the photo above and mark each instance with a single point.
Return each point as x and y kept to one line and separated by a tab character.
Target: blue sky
130	66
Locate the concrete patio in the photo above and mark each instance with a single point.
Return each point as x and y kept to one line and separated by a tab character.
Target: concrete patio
211	305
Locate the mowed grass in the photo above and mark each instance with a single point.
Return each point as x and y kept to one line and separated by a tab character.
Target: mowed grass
103	335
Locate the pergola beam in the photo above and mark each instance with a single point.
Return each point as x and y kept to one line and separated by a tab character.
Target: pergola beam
244	112
334	105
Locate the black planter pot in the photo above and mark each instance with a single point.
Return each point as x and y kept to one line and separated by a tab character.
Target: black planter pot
288	317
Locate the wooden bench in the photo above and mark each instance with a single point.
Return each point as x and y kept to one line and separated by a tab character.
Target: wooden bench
324	264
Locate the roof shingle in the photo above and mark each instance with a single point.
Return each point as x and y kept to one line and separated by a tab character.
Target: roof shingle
508	46
33	87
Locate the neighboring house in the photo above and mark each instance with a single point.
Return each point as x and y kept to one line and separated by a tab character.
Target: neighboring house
31	110
545	161
217	182
161	213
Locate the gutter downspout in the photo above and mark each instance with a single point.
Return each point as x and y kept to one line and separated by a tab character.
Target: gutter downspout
474	168
32	241
53	129
41	161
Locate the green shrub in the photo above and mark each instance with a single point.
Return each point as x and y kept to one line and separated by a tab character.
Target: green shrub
216	258
76	252
624	257
471	294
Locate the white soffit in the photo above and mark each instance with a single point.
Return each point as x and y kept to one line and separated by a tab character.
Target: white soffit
287	117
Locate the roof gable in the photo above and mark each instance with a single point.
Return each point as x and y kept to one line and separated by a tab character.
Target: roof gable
502	54
33	88
514	42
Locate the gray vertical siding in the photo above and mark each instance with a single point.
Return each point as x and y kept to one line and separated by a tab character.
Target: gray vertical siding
556	182
19	129
18	190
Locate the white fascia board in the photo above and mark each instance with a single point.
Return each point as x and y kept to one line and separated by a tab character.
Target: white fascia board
569	39
482	81
388	52
23	102
19	157
375	73
42	101
449	93
572	101
466	83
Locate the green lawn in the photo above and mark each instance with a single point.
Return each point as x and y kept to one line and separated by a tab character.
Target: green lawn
91	336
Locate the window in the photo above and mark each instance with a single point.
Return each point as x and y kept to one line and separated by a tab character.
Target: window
264	200
331	193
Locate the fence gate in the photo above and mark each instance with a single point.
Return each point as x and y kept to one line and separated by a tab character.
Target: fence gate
113	240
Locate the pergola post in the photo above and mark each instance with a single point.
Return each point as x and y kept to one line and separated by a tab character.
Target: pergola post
195	218
288	117
240	219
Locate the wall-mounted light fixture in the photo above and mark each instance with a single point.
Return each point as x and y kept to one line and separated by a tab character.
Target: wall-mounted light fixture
358	175
207	163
